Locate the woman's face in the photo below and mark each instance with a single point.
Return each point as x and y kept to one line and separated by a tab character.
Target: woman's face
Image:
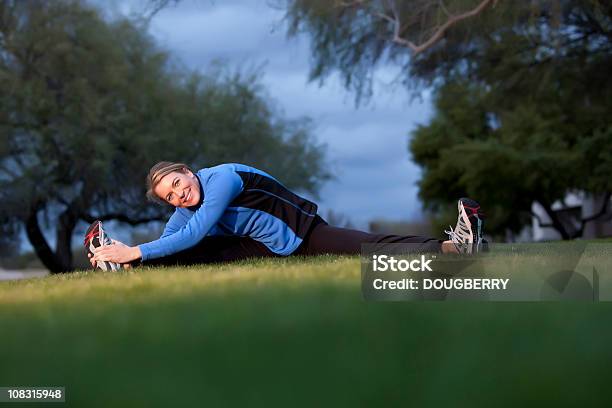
179	189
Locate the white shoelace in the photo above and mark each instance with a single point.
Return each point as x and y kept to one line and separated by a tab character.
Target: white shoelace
460	236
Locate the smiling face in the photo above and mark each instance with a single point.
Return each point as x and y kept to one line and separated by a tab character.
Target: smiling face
179	189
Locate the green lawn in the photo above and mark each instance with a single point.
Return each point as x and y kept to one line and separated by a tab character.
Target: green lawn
292	332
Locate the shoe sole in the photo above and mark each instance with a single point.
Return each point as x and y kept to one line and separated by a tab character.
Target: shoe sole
95	230
473	213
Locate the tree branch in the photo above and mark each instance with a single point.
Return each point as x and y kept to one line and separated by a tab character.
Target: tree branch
602	210
395	19
556	222
539	220
155	7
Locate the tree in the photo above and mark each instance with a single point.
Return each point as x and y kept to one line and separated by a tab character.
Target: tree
88	105
353	37
522	116
522	95
527	156
422	37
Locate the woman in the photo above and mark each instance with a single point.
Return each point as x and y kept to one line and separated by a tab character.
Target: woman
233	211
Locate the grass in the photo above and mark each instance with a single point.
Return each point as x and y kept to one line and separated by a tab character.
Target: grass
292	332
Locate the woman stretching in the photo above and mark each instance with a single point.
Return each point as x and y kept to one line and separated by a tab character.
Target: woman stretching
233	211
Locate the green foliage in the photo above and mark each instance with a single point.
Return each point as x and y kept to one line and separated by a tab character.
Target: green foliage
523	117
505	167
353	38
522	95
88	105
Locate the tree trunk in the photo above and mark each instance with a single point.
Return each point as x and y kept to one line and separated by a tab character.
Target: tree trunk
41	247
65	227
556	222
594	209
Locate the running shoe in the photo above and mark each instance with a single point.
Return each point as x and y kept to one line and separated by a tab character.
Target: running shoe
467	234
96	237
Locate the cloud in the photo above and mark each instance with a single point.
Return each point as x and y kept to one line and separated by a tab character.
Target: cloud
234	31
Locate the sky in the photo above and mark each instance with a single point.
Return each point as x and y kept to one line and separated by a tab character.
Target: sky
367	146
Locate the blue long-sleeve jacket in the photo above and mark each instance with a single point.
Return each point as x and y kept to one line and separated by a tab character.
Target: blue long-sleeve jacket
237	200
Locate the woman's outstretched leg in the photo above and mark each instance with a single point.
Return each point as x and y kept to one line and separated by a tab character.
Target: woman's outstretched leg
466	237
325	239
215	249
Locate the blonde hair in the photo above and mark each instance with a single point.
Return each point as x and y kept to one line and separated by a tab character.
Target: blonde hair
158	172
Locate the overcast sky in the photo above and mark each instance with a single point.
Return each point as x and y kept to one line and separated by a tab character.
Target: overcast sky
367	146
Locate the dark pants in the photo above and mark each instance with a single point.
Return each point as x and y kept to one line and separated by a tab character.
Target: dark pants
321	239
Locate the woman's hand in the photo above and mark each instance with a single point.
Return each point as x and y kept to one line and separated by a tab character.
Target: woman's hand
94	263
91	261
118	252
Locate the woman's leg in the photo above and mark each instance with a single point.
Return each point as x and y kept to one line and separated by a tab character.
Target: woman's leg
215	249
322	239
325	239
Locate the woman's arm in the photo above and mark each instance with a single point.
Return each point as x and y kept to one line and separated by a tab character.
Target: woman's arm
124	254
221	188
176	221
118	252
